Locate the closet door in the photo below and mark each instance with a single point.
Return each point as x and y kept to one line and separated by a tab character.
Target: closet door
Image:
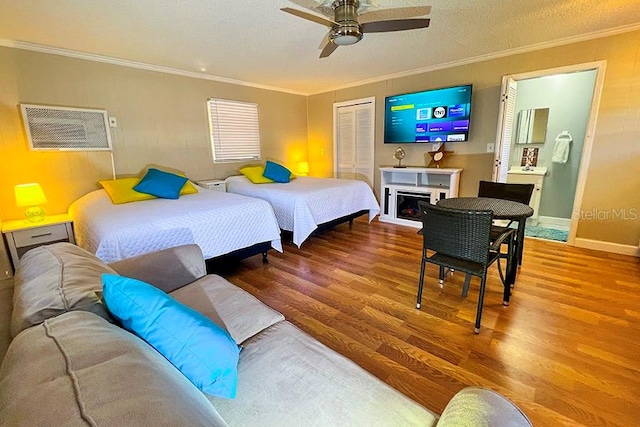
354	139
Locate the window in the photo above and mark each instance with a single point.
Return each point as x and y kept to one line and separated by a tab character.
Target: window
235	131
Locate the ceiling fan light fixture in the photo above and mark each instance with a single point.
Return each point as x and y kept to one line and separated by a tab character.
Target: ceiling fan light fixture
346	35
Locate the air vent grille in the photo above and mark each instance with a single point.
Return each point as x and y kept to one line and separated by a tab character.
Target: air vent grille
62	128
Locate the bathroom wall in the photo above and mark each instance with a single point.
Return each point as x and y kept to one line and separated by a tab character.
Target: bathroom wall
568	97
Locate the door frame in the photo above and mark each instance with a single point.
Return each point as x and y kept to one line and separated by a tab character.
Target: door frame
600	68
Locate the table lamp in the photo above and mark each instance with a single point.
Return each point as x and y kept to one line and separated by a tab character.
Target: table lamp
303	168
31	195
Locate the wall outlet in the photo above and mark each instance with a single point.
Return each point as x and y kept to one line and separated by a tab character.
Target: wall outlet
491	147
113	122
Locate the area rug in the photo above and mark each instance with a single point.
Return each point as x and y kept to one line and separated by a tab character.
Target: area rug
546	233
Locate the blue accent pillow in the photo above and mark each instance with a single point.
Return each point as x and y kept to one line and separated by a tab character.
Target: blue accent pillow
205	353
276	172
161	184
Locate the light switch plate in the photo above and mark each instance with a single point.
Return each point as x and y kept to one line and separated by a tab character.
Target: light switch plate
491	147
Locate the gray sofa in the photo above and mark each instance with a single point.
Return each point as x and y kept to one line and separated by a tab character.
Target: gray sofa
69	364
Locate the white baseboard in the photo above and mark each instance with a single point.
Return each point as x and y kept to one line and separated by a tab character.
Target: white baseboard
554	222
615	248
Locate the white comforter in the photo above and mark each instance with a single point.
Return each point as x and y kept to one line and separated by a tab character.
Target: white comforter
304	203
217	222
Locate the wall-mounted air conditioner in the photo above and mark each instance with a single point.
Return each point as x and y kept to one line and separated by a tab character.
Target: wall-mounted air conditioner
64	128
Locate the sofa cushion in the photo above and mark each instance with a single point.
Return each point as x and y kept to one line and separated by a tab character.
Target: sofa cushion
6	297
203	351
473	406
78	369
166	269
51	280
228	306
288	378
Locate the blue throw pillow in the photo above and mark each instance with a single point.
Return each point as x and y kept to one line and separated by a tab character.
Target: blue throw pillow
276	172
205	353
161	184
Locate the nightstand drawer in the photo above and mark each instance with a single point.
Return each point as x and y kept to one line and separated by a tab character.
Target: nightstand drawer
40	235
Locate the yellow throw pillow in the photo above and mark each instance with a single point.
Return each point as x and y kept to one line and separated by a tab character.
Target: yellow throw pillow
254	174
188	189
121	190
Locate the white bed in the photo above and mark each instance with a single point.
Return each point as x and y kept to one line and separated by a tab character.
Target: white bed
220	223
305	203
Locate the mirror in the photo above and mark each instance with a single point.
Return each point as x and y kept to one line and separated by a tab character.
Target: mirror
532	126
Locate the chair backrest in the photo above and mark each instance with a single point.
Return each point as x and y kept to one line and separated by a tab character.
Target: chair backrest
457	233
500	190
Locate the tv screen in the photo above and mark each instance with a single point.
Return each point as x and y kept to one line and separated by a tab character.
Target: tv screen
437	115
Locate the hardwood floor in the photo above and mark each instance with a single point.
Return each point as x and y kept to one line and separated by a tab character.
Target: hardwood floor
566	350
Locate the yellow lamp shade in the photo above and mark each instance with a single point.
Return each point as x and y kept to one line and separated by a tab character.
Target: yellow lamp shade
31	195
303	168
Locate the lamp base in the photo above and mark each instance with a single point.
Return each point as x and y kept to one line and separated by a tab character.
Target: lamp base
35	214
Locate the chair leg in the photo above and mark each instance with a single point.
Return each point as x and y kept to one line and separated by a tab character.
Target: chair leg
502	276
441	281
465	288
483	281
511	273
421	281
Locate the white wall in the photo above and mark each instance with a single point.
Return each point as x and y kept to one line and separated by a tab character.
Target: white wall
568	97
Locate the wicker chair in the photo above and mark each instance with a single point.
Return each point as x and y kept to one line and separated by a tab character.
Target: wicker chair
461	241
520	193
499	190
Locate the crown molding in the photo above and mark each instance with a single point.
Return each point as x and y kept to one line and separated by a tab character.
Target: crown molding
34	47
494	55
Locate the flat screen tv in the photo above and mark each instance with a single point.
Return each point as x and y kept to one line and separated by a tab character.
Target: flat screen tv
436	115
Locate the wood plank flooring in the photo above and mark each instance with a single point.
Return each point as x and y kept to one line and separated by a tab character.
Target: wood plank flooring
566	351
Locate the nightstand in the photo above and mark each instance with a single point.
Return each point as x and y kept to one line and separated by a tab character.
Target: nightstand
213	184
23	235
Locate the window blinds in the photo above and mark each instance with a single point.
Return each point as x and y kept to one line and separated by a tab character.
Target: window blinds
235	132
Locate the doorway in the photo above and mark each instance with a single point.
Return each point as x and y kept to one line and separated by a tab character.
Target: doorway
547	121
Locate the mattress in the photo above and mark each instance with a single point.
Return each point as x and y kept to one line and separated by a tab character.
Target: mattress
218	222
304	203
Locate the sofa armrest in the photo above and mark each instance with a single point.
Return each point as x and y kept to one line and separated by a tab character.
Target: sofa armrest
168	269
474	406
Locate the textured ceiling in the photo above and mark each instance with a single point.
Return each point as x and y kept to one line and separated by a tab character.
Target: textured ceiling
253	41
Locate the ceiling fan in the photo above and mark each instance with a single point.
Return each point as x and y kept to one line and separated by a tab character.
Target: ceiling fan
352	18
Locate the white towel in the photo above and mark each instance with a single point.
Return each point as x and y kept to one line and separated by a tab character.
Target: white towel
561	149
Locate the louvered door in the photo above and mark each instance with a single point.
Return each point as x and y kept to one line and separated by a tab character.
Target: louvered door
354	139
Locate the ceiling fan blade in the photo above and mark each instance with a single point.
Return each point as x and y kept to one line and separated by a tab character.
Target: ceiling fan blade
328	49
397	13
394	25
325	40
308	4
313	18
